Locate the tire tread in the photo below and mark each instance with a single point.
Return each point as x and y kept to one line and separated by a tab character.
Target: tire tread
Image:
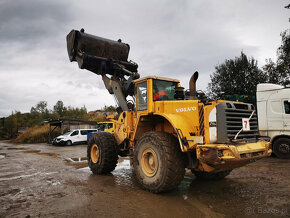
175	165
108	148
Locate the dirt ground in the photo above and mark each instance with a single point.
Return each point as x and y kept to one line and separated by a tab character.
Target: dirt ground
42	180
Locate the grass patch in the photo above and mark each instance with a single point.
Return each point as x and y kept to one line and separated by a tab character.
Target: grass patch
98	117
36	134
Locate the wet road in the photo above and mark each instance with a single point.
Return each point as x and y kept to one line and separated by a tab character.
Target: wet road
41	180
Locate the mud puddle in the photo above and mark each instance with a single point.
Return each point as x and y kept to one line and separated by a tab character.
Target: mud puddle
77	162
123	181
2	155
14	148
40	153
122	165
12	177
214	198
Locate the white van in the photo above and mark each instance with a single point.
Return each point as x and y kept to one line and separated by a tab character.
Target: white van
273	105
78	136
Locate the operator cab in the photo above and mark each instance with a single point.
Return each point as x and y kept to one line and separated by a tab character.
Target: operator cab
153	88
163	90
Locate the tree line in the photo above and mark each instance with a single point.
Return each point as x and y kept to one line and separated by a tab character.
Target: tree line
10	125
241	75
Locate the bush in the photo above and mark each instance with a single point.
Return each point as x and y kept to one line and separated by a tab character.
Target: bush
36	134
98	117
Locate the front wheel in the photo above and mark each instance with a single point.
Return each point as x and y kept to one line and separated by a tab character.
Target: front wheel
102	153
211	176
158	162
281	148
69	143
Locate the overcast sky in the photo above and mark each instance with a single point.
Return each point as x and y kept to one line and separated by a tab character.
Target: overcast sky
167	38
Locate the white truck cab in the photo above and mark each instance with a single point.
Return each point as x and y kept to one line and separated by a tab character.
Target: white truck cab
77	136
273	106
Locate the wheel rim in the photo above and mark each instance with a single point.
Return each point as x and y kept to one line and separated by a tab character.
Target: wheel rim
149	162
284	148
95	153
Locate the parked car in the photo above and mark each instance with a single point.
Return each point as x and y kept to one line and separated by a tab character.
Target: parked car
78	136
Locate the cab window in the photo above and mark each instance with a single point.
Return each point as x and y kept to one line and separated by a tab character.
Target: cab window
84	132
163	90
142	96
287	106
110	125
101	127
75	133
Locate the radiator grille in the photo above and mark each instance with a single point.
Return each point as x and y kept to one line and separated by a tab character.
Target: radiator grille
229	122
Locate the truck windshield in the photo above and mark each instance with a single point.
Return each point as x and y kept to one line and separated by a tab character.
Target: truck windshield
163	90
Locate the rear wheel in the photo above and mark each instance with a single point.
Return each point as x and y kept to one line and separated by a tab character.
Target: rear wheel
211	176
102	153
281	148
158	162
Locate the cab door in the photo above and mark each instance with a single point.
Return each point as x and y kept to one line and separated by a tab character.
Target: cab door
274	115
75	137
83	135
141	96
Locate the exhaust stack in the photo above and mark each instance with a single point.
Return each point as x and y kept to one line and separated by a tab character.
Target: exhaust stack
192	86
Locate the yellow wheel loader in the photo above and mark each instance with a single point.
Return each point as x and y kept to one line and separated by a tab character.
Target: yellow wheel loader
161	127
107	126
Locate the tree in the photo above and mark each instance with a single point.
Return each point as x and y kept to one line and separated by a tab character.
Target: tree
41	107
279	72
236	76
110	108
283	58
273	76
59	108
10	125
38	113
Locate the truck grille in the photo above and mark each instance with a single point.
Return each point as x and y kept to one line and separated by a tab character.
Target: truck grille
229	122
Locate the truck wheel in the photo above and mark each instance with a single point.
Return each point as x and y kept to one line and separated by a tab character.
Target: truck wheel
211	176
158	162
102	153
281	148
69	143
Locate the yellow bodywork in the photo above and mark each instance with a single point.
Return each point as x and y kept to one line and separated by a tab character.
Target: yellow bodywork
218	157
109	126
183	119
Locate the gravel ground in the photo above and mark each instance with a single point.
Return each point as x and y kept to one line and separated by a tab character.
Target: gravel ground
40	180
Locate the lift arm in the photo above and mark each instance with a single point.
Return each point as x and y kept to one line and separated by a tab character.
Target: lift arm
105	57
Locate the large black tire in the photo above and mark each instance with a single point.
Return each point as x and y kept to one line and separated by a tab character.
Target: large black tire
211	176
102	153
69	143
158	162
281	148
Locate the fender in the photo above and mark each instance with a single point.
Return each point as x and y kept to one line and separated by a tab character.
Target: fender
184	129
